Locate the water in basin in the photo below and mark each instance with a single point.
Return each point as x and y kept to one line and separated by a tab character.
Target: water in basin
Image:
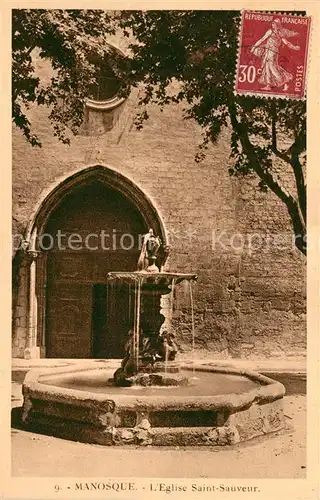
201	383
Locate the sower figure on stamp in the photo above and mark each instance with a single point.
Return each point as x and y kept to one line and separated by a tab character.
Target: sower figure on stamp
267	48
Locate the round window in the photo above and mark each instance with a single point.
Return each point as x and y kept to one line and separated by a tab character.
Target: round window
107	86
105	92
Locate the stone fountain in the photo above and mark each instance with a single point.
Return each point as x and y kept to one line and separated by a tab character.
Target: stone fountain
150	349
151	398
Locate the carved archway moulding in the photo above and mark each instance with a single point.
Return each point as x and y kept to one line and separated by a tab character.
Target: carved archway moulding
113	180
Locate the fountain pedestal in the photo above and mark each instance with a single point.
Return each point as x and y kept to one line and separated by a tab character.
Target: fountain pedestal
150	350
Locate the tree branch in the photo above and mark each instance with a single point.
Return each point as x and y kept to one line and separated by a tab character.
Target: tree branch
301	187
274	147
30	49
295	149
292	205
299	144
242	132
298	147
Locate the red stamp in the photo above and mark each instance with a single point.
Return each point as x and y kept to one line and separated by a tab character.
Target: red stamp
273	55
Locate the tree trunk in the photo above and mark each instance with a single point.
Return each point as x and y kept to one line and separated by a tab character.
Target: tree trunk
299	226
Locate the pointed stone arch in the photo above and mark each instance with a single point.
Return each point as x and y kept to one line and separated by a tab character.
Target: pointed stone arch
46	206
113	179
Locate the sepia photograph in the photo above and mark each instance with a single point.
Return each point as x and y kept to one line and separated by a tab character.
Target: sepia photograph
159	250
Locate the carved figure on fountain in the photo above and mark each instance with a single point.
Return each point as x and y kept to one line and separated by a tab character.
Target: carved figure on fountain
153	253
168	348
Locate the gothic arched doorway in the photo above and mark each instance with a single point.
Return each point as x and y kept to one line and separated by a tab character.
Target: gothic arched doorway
89	225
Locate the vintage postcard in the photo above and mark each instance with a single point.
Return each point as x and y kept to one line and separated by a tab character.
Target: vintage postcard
160	250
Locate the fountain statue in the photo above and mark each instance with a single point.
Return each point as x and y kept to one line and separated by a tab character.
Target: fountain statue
148	254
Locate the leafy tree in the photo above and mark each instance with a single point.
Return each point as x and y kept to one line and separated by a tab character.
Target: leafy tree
65	38
199	50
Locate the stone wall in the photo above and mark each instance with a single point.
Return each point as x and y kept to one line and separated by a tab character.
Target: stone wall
247	303
19	308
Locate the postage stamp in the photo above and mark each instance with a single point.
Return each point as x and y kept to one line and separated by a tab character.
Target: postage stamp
272	55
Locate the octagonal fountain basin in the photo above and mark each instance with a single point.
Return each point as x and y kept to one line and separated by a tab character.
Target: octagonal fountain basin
216	406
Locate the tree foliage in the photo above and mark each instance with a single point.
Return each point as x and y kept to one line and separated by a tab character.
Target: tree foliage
65	38
199	50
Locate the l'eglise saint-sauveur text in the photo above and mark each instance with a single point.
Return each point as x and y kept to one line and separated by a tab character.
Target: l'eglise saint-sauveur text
171	488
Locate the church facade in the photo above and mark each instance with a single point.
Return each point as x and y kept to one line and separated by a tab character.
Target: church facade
80	211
